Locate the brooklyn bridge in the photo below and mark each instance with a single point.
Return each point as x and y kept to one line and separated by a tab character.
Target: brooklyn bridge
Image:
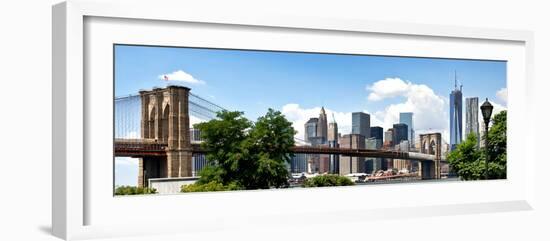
154	126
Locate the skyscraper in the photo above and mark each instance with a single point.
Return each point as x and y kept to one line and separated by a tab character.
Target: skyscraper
375	142
374	164
322	124
324	162
332	131
400	133
351	164
401	164
388	138
360	124
455	101
334	160
310	128
377	132
332	137
407	118
299	163
472	121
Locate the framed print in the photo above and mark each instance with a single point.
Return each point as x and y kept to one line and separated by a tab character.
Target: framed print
210	118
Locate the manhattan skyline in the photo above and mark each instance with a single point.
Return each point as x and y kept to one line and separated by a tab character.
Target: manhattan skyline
299	84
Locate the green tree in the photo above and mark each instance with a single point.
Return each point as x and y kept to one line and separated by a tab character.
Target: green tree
223	139
469	161
268	145
245	155
497	147
465	159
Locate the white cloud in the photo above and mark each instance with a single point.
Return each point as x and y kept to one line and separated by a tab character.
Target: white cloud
181	76
387	88
430	112
299	116
502	95
497	108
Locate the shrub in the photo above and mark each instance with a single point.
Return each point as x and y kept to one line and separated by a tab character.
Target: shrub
328	181
132	190
210	187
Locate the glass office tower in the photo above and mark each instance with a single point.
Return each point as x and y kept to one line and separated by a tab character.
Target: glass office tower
400	133
472	121
407	118
310	128
455	111
377	132
360	124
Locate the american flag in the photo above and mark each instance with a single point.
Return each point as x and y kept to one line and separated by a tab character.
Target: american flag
165	77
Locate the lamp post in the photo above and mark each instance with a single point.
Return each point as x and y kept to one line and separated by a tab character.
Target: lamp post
486	111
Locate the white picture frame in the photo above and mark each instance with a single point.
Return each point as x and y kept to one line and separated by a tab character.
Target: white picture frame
74	197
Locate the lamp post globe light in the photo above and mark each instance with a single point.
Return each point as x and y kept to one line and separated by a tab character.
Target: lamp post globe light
486	111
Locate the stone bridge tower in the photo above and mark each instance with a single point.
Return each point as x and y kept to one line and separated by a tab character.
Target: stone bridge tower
430	144
165	119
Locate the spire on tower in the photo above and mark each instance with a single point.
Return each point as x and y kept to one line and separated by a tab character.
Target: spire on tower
455	79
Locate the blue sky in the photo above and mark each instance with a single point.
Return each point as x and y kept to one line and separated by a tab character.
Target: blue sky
258	79
298	84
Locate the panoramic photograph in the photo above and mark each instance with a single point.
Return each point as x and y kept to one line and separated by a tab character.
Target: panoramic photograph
203	119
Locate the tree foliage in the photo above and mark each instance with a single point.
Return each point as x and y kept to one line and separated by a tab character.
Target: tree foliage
465	159
328	180
245	154
210	187
132	190
223	139
469	161
497	147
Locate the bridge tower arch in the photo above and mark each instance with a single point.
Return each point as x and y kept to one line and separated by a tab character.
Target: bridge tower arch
431	144
165	119
164	122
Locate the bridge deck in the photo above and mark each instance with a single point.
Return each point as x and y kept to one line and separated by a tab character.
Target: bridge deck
141	148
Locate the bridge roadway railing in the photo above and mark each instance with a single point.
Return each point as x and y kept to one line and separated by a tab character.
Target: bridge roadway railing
363	153
152	147
139	147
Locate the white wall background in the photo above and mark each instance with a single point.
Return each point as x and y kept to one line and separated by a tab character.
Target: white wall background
25	80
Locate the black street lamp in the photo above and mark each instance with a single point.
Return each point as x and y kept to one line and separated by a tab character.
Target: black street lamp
486	111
